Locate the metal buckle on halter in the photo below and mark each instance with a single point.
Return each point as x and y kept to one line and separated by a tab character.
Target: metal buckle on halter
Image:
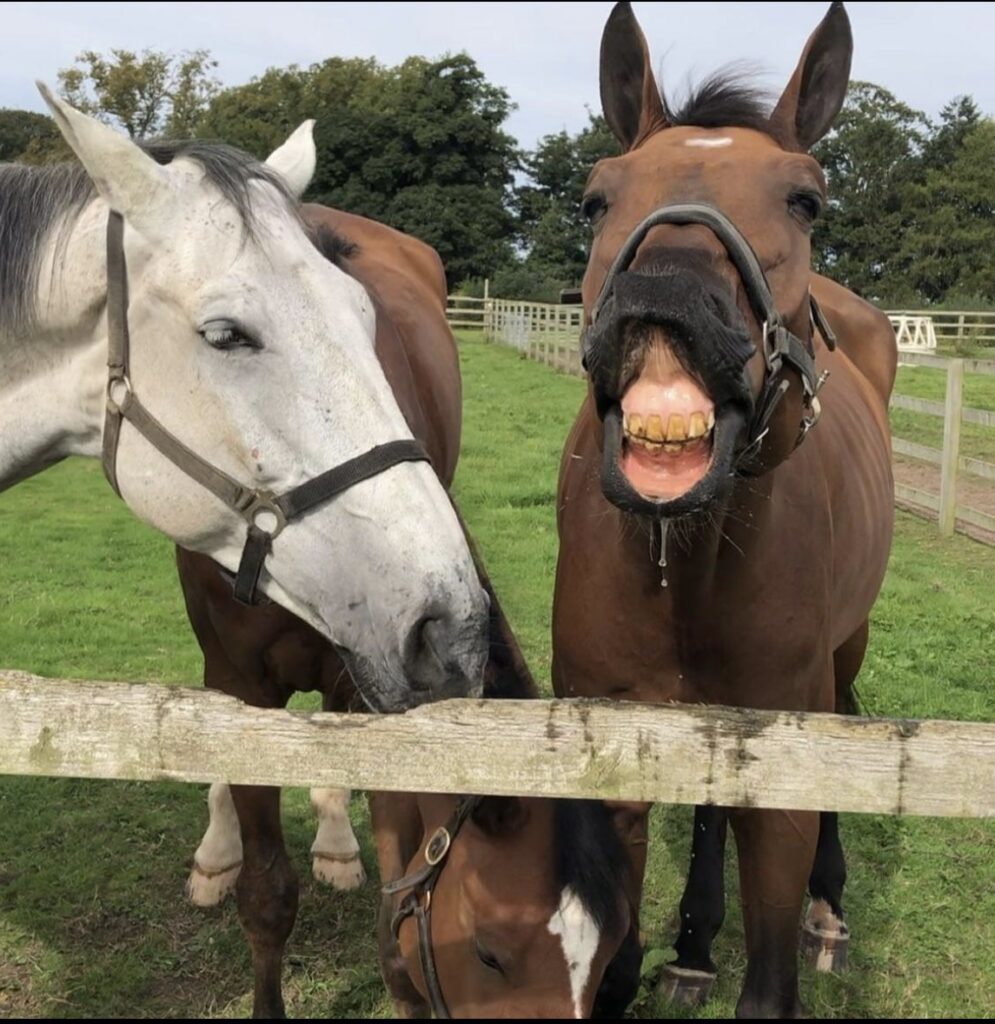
118	382
438	846
264	503
814	408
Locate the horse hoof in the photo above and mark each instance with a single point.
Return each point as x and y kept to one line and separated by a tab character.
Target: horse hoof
825	939
209	888
685	987
341	871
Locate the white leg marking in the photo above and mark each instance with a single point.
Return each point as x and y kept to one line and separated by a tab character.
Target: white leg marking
335	849
218	859
580	937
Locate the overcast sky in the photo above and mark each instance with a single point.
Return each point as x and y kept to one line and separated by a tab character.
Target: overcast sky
544	54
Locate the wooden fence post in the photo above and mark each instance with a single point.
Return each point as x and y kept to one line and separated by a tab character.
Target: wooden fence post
951	446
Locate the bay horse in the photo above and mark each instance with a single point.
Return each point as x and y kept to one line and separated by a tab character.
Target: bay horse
165	309
529	915
721	541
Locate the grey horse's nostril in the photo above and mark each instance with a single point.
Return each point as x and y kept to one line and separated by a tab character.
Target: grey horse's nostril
423	664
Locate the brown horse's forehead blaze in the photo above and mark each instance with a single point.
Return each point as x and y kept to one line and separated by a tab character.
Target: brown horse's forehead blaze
690	163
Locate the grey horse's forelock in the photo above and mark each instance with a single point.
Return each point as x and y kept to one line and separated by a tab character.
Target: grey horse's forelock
35	201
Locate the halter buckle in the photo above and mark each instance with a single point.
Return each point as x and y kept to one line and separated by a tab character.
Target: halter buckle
264	504
438	846
119	391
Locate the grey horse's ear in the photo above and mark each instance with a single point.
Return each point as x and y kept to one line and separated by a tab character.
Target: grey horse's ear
630	97
131	182
296	159
815	94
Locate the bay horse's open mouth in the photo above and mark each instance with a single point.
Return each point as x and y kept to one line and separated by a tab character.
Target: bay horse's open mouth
668	422
667	359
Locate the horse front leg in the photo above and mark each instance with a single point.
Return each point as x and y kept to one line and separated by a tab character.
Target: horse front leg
266	891
825	936
776	851
689	980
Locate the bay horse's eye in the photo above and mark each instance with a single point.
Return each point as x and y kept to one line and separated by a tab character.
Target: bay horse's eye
226	335
487	958
593	207
805	204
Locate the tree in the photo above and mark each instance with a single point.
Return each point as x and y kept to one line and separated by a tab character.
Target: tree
957	120
420	146
951	249
871	158
552	237
27	137
153	94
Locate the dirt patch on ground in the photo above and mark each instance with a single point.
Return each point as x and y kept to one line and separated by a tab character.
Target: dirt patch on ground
972	491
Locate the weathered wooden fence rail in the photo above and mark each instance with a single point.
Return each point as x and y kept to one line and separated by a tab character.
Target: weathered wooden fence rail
674	754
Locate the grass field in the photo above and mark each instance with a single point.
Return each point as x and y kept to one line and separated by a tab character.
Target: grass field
93	922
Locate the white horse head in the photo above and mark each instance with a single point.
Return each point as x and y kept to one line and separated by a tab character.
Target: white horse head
256	353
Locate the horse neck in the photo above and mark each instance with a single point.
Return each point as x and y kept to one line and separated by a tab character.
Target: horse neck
54	369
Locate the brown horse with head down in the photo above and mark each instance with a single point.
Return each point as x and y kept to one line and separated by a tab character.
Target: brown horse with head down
529	914
720	540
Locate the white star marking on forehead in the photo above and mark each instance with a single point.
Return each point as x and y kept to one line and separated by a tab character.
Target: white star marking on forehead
709	143
579	936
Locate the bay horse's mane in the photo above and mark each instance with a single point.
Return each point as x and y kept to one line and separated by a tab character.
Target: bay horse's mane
36	200
334	246
727	98
590	858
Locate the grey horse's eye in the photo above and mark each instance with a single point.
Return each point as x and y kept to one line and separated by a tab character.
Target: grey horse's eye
226	335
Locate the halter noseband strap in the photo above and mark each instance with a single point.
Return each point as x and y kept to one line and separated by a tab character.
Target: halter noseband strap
780	347
422	883
266	513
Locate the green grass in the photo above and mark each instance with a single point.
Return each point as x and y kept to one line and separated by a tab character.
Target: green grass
93	922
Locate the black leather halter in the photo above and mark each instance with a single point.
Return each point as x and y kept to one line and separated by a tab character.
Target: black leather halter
781	348
266	513
418	902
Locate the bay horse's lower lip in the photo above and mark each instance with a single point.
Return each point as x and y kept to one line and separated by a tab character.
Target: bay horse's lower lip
692	486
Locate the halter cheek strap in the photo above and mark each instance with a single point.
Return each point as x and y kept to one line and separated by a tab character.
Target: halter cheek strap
418	902
265	513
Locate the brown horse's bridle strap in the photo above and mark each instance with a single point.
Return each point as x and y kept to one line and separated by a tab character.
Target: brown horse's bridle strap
266	513
420	885
781	348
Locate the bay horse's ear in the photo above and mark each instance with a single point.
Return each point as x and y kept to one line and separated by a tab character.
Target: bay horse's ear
499	815
630	97
817	89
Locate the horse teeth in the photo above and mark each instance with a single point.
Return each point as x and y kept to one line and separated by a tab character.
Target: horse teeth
654	428
634	424
672	448
676	428
711	418
698	427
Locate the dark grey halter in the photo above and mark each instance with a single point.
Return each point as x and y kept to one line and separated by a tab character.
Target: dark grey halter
266	513
419	886
781	348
